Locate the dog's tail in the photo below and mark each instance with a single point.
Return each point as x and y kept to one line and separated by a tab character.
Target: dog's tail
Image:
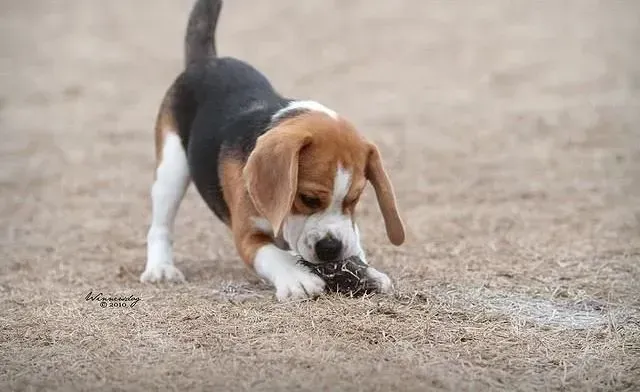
200	39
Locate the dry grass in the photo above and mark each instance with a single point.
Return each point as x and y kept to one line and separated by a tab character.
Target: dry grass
511	132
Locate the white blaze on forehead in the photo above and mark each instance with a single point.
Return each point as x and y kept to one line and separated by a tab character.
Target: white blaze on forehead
308	105
302	232
341	185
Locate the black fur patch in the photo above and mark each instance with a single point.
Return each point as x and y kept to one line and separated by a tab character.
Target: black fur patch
287	115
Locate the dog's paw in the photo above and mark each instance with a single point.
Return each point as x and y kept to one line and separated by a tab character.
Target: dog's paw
291	280
298	283
162	272
382	281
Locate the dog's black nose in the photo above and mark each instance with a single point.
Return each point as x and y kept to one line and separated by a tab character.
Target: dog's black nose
328	248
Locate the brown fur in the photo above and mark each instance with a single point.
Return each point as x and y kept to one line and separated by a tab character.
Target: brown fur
165	123
247	238
300	156
385	195
271	173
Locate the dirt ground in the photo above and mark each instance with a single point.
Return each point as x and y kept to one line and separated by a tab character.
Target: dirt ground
511	131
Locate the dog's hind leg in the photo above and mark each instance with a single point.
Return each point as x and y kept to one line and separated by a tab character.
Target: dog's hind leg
169	187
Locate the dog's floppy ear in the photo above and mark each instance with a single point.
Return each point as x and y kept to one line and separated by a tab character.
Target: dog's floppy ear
376	174
271	172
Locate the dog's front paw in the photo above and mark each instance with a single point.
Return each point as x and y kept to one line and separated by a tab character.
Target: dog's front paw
298	283
161	272
382	281
291	280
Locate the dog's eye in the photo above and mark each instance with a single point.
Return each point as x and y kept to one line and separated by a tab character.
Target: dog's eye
310	201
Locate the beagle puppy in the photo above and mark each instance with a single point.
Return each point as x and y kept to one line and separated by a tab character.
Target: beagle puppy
284	175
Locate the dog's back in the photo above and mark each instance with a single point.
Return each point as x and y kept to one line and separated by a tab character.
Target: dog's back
221	105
